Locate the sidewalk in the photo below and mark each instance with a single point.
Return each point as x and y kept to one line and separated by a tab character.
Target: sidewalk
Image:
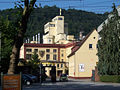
88	81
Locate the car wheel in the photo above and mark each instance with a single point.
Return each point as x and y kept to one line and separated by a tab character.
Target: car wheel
28	83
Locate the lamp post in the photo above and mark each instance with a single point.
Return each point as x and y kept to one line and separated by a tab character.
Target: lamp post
40	72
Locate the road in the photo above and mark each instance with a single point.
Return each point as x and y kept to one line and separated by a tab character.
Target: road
73	84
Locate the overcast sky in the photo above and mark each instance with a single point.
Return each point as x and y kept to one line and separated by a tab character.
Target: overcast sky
98	6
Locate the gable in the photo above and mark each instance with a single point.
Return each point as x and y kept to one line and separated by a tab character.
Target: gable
92	38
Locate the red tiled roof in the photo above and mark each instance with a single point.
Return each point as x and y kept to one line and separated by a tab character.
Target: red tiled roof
49	45
79	44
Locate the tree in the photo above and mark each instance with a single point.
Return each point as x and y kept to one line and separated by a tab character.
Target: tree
34	63
40	16
109	46
6	28
22	26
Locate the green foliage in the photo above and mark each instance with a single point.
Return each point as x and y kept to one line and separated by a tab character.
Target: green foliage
77	20
109	46
34	63
7	30
110	78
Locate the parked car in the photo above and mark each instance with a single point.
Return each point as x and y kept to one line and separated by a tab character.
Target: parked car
26	80
33	78
63	77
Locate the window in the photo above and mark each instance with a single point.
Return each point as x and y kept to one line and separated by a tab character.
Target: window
60	19
54	57
62	60
49	40
96	45
47	57
58	65
35	50
93	37
28	56
47	50
61	65
54	50
28	50
62	55
90	46
52	25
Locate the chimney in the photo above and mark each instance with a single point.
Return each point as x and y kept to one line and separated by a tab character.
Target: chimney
38	37
28	40
81	36
33	38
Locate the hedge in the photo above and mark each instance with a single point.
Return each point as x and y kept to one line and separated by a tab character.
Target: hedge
110	78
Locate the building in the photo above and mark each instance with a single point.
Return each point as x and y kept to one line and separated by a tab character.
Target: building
106	21
55	31
62	50
49	55
83	57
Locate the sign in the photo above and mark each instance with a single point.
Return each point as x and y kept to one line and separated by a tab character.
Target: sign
11	82
81	68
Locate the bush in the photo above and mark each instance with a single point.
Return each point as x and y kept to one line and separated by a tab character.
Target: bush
110	78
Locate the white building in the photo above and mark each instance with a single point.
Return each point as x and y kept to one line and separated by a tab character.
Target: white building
55	31
106	21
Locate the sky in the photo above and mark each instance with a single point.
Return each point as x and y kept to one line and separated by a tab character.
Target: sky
97	6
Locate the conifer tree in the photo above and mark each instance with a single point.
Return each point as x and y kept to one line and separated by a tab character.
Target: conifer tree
109	46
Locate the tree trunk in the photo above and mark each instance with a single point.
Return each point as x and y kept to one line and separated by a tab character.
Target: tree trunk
19	39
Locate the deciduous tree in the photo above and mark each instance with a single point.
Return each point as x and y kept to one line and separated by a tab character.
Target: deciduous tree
28	7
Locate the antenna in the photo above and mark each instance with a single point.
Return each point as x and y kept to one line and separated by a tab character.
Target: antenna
60	11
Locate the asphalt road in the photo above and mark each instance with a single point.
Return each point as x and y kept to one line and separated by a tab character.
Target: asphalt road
73	85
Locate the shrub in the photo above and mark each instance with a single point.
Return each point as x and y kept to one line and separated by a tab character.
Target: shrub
110	78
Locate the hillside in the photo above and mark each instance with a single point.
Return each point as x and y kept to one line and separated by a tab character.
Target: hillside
77	20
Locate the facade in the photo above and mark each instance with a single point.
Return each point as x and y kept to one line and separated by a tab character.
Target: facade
83	58
49	55
55	31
